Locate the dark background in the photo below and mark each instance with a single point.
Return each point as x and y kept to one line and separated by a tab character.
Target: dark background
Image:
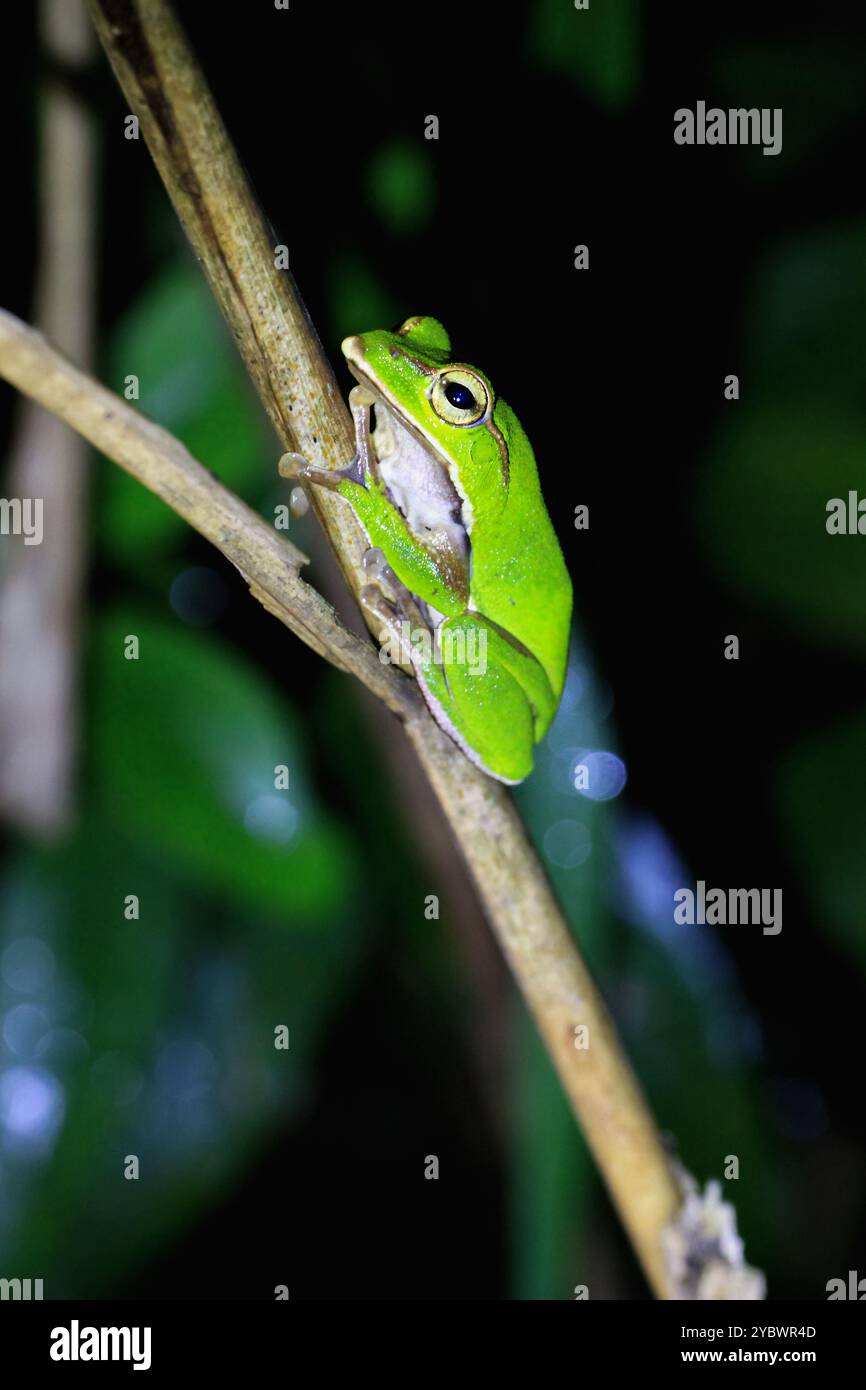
706	519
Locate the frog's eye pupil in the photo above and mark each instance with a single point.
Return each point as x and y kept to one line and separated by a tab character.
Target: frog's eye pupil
459	396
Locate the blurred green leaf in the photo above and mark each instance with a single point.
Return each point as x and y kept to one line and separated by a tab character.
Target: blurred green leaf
552	1177
763	509
401	187
109	988
191	381
185	741
599	46
803	326
822	802
816	81
159	1042
357	302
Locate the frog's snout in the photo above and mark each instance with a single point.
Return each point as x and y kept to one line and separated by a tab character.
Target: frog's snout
353	348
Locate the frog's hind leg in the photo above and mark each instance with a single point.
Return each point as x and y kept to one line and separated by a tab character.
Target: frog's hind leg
474	642
477	700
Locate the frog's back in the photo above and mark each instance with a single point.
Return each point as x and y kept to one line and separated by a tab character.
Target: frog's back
519	578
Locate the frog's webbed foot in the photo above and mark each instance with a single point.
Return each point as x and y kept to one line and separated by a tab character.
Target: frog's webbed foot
381	605
396	609
386	595
295	466
378	570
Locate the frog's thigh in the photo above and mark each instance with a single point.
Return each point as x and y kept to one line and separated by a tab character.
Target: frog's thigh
479	702
387	529
529	673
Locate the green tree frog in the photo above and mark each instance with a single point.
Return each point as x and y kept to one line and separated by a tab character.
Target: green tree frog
463	554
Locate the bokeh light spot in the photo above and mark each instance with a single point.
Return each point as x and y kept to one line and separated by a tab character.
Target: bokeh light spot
27	965
271	818
31	1108
24	1026
567	844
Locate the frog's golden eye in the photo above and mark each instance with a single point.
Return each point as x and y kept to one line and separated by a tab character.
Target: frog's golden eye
459	397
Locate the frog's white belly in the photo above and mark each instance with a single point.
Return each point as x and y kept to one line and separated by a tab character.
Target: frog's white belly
420	487
417	481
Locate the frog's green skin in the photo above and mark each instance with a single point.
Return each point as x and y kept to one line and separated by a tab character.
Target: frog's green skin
455	483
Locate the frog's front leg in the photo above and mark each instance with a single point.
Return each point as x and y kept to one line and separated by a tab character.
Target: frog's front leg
363	464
